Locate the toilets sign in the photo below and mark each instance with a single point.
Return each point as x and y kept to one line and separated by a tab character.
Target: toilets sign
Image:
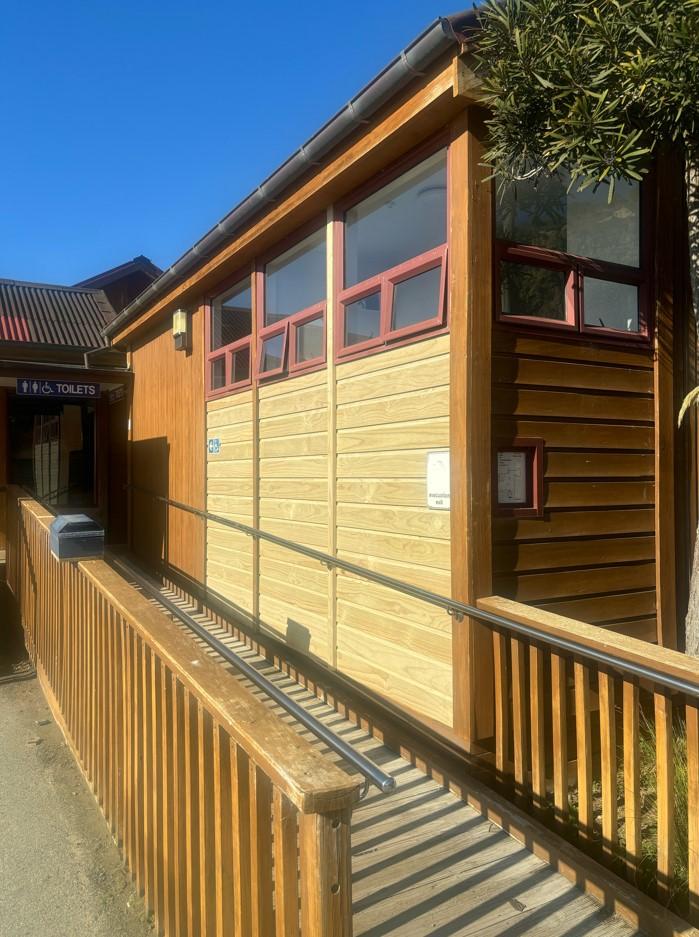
37	387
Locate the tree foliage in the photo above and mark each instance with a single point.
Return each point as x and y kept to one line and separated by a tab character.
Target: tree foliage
597	87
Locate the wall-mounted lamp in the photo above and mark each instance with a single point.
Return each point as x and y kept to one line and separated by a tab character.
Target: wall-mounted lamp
180	329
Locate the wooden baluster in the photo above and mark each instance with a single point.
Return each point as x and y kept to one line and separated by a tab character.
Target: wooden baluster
519	717
607	713
326	875
583	736
191	784
207	804
127	722
261	853
537	725
158	789
286	866
102	704
169	807
118	731
632	775
502	706
179	804
147	789
665	774
692	719
223	833
138	778
242	874
559	732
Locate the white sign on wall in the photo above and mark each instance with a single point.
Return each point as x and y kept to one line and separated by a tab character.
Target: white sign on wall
512	477
438	481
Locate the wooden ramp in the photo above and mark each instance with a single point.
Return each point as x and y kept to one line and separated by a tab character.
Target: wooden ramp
424	862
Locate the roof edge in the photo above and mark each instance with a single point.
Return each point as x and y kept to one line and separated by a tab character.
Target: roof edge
439	36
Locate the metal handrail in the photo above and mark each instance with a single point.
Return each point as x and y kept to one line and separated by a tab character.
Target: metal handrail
455	608
371	772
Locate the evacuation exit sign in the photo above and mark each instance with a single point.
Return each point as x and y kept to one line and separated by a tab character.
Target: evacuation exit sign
36	387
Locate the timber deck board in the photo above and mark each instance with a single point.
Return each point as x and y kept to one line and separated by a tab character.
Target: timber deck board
423	861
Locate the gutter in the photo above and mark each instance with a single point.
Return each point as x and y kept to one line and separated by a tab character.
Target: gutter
440	36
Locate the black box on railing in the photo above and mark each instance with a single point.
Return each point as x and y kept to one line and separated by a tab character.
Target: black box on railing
76	537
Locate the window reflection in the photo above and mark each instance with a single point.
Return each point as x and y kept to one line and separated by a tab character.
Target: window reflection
406	218
543	213
296	279
231	317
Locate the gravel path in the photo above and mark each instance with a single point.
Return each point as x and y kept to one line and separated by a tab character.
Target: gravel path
60	870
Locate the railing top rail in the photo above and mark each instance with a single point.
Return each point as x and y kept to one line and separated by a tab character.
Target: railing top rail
312	782
668	668
385	782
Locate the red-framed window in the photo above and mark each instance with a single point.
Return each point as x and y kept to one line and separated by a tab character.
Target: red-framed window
391	252
292	308
229	339
572	261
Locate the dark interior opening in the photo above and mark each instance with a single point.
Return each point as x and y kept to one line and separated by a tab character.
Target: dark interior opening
52	450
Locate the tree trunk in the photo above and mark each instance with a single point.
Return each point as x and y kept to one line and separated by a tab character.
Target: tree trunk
691	624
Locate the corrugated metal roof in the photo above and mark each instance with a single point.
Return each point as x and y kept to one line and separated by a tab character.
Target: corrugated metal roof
45	314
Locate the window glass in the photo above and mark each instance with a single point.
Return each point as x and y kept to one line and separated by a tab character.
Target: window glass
272	352
218	373
296	279
542	213
309	340
231	316
241	365
363	319
416	299
527	290
611	305
404	219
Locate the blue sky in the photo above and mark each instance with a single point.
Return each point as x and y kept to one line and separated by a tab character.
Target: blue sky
132	127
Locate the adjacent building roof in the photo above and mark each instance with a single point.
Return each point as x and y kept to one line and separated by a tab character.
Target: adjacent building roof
444	33
40	313
140	264
123	284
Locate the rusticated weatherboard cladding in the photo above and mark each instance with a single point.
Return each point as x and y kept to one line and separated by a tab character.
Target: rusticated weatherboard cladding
592	555
391	410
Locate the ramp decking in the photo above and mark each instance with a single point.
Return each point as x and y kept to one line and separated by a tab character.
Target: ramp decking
426	863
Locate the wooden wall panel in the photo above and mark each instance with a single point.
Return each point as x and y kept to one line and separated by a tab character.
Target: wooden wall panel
167	448
392	408
592	554
229	554
293	473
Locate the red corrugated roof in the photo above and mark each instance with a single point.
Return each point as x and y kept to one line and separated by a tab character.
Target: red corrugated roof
45	314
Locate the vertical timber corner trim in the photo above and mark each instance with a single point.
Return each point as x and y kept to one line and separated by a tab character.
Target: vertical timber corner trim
470	280
669	202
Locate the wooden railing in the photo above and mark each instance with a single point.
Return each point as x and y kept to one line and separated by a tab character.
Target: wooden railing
598	735
228	820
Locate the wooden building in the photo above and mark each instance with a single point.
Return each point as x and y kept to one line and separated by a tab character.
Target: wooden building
374	356
64	395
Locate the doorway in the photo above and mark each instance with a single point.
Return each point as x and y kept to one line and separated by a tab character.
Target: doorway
51	450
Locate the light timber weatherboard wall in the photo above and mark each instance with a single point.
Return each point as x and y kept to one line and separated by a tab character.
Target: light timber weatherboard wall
392	408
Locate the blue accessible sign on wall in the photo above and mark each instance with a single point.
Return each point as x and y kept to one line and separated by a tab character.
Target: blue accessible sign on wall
38	387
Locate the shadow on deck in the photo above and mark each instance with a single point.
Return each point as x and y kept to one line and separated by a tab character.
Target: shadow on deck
423	861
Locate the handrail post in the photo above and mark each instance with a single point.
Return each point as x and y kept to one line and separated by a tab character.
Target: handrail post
326	874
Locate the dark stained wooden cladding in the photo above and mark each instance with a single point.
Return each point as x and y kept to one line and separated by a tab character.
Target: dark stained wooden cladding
167	448
592	554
